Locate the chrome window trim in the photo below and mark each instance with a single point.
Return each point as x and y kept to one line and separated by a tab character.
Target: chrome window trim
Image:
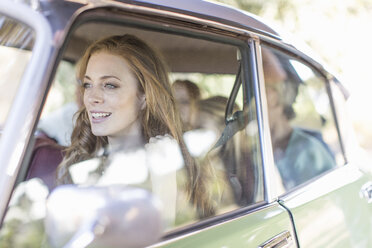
25	106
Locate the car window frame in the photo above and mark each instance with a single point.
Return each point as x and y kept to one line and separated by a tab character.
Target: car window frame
231	37
18	127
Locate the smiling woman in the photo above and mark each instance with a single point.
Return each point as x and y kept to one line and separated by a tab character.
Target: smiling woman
127	103
112	99
111	94
119	74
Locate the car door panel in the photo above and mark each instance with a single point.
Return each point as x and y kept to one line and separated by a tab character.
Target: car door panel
330	212
251	230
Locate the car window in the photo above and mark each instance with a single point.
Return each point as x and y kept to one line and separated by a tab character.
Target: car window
62	103
16	42
212	169
303	131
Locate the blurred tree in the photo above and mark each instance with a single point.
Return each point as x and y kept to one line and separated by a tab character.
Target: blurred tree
259	7
254	6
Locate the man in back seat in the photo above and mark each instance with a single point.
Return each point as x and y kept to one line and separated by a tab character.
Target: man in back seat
298	154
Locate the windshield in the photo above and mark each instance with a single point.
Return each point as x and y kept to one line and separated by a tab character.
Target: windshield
16	42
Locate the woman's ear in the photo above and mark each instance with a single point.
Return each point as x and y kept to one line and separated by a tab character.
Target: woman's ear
143	101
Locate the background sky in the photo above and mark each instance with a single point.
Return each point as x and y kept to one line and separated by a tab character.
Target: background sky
340	33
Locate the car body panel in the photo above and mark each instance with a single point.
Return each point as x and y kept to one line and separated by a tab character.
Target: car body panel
332	207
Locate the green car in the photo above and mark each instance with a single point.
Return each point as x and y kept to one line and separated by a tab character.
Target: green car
243	141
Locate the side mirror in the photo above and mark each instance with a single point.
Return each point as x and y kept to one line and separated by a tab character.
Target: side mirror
114	216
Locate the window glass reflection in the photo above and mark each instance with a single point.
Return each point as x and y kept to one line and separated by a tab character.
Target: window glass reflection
303	132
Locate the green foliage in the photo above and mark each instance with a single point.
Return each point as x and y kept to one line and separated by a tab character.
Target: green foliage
22	233
66	81
254	6
259	7
23	225
63	87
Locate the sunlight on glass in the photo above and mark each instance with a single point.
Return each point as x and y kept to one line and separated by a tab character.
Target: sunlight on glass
83	240
303	71
57	203
126	168
78	216
163	155
13	61
199	141
160	158
80	172
35	193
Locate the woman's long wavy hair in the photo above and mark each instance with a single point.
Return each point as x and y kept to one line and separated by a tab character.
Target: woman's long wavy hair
159	117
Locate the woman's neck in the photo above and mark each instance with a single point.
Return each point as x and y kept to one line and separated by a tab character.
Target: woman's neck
126	141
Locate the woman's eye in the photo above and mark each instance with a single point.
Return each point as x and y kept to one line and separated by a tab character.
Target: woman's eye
86	85
110	86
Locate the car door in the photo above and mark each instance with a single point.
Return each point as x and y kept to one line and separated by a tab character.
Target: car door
224	137
326	194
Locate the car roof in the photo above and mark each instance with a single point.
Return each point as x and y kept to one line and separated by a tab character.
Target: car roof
216	11
59	12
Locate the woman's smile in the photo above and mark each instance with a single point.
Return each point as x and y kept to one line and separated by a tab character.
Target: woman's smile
98	116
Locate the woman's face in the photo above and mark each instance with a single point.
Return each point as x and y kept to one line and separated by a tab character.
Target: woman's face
111	96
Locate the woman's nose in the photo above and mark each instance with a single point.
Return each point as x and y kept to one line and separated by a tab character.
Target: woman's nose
95	95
